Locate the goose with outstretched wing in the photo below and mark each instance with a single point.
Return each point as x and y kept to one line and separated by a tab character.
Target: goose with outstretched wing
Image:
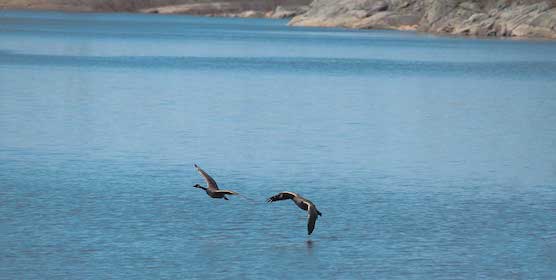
302	203
212	188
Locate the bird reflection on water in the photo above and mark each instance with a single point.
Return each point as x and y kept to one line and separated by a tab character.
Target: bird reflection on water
309	244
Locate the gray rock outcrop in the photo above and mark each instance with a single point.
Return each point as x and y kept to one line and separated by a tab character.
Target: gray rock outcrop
514	18
287	11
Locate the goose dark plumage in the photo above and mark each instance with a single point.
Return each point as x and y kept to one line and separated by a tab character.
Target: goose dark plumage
303	203
212	188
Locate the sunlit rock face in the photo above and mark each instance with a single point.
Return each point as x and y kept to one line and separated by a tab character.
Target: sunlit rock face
459	17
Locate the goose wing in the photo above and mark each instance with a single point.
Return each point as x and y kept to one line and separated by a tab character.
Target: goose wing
312	219
302	202
226	192
211	184
281	196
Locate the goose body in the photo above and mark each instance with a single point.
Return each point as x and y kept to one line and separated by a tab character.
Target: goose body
303	203
212	188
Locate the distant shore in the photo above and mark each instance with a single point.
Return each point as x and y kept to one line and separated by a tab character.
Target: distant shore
225	8
486	18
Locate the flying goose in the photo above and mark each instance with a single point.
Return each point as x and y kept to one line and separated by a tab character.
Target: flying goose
212	189
302	203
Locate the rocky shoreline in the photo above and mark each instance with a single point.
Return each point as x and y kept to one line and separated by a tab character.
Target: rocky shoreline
227	9
222	8
496	18
500	18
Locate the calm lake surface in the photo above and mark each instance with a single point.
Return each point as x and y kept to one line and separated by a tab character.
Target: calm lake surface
429	157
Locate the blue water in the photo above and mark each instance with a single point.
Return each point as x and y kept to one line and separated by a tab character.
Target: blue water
429	157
